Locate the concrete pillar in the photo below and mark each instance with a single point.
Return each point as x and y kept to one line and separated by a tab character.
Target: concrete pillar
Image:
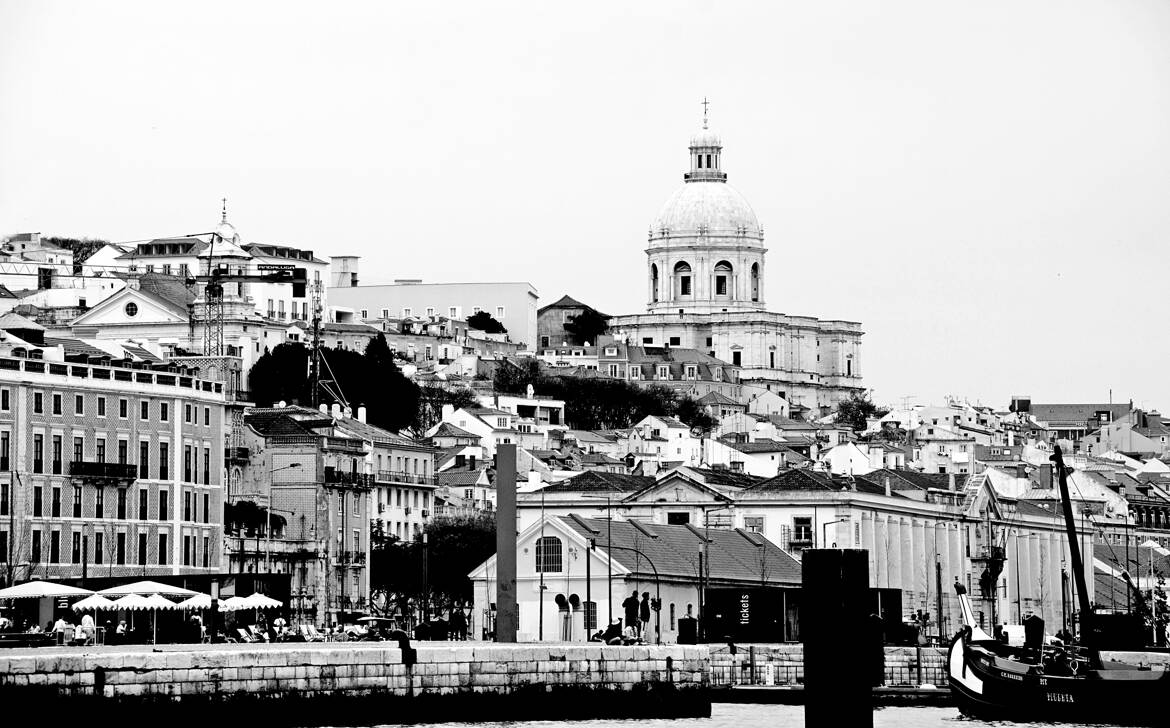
911	572
881	557
868	543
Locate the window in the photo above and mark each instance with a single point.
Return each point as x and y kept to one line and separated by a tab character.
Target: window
163	555
36	545
123	408
357	540
613	370
772	359
56	503
186	463
164	511
144	459
720	285
123	446
76	548
736	358
38	500
802	529
164	461
98	547
38	403
548	555
143	505
385	313
207	417
365	311
120	549
164	412
99	502
678	518
692	372
406	313
77	501
499	313
38	453
142	549
453	312
186	550
56	454
78	404
5	400
78	449
664	372
121	504
340	504
101	406
206	465
144	410
56	404
357	506
54	547
186	505
4	445
187	414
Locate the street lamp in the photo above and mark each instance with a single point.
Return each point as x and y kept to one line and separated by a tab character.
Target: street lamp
268	517
608	548
825	530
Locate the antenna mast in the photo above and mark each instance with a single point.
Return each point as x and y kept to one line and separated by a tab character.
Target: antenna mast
315	345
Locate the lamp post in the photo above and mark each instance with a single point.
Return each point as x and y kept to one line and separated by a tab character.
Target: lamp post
705	565
268	518
426	582
825	530
608	548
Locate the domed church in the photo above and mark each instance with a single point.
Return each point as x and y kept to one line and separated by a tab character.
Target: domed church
706	285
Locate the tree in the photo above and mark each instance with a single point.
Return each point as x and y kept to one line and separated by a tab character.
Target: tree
856	410
693	414
432	398
484	322
458	544
81	248
587	326
392	403
281	374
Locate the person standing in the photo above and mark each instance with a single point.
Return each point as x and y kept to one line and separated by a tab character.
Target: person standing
630	605
644	616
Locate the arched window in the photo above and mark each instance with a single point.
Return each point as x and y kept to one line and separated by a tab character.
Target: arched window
722	276
548	555
755	281
654	283
682	279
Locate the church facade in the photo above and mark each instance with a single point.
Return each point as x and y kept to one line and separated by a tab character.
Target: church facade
705	289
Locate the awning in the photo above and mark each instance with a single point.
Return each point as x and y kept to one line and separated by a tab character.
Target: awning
93	601
37	589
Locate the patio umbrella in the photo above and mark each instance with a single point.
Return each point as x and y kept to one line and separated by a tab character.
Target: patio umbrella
231	604
146	588
199	601
94	602
261	601
158	602
133	602
38	589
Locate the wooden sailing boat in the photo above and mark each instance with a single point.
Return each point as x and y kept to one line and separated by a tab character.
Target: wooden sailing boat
994	680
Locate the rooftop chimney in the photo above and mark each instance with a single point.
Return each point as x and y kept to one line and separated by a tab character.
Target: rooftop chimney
337	410
361	415
951	482
281	404
324	408
887	484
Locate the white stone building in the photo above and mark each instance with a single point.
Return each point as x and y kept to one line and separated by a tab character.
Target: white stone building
706	291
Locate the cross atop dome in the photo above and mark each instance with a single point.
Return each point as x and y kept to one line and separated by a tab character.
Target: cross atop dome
705	104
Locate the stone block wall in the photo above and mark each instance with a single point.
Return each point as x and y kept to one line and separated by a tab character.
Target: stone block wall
503	681
787	662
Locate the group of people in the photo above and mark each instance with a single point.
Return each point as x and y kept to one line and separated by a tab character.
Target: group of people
637	623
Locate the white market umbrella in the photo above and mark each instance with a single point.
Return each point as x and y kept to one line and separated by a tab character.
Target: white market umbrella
39	589
261	601
157	602
133	602
199	601
146	588
94	602
231	604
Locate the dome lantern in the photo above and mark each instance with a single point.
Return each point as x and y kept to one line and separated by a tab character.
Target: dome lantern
706	150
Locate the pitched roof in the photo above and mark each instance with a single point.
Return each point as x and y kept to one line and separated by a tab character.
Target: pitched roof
76	346
599	458
446	429
564	302
1075	414
732	555
16	322
758	446
366	431
796	479
460	476
349	328
275	423
714	397
727	477
914	480
592	481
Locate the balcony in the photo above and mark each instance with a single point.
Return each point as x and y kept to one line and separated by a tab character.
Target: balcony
103	473
343	478
351	557
396	476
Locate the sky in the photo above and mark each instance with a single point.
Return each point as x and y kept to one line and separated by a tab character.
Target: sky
983	186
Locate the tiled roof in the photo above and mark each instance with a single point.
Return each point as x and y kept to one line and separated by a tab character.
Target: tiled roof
596	482
171	290
565	302
796	479
718	398
366	431
733	555
275	423
758	446
446	429
727	477
76	346
16	322
1075	414
913	480
349	328
460	477
141	353
1140	559
599	458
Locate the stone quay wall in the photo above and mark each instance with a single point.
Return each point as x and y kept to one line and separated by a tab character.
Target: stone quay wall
748	665
292	683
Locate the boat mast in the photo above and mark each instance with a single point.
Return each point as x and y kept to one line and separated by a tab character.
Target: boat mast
1074	549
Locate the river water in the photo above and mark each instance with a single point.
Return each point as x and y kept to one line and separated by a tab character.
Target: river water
738	715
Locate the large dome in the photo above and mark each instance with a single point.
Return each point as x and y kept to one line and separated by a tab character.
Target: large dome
708	207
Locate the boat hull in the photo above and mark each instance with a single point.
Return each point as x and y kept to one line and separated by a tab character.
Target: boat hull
992	688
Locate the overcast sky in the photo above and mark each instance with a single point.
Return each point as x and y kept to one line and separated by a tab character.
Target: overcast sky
984	186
